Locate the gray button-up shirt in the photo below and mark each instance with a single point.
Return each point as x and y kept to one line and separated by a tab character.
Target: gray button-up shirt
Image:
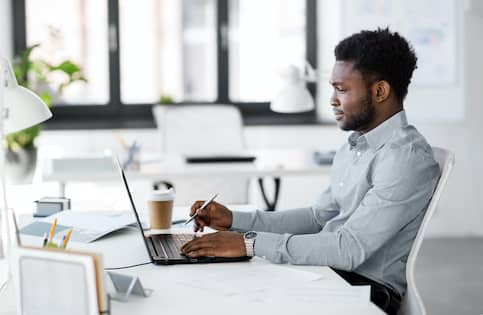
367	219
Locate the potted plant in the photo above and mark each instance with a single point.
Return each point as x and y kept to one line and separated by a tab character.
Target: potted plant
21	153
165	100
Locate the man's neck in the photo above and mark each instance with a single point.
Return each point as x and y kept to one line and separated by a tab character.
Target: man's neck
381	117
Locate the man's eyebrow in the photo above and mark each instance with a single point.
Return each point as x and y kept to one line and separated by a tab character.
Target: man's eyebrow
335	82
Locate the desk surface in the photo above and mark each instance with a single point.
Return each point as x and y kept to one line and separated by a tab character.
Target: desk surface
174	294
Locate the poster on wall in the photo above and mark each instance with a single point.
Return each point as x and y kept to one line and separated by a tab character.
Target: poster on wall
429	25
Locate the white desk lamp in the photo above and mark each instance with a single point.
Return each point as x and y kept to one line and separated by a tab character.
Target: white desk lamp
20	108
294	96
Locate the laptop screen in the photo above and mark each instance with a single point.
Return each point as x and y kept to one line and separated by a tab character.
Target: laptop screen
121	171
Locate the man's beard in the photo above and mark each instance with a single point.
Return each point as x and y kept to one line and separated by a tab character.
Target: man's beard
363	118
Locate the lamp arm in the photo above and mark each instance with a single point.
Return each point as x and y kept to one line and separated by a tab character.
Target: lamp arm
309	73
5	229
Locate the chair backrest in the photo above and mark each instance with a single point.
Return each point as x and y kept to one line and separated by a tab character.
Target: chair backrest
200	129
203	130
412	303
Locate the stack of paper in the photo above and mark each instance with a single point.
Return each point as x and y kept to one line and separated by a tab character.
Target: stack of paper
87	226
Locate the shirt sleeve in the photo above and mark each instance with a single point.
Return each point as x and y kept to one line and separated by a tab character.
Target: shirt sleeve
295	221
398	195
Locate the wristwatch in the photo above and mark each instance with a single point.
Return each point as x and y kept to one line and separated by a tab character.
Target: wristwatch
249	238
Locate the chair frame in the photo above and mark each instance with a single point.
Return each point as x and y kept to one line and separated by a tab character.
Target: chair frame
412	303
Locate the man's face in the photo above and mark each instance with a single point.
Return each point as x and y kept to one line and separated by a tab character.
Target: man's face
351	100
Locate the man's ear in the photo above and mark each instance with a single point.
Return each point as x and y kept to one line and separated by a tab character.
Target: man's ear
381	90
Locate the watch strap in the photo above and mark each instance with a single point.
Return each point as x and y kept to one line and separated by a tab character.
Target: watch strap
250	247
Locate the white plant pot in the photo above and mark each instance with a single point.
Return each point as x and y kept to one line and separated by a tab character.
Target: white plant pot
20	165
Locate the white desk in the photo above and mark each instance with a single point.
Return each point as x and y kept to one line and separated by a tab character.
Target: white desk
126	247
172	167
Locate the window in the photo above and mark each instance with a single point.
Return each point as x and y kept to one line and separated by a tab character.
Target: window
76	31
176	55
265	35
196	51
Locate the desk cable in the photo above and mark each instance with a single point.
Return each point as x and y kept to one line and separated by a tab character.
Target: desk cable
126	267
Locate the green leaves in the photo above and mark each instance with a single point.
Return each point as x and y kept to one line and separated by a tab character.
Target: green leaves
71	70
34	75
23	139
166	99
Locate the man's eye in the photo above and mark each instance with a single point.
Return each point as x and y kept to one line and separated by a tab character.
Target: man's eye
340	89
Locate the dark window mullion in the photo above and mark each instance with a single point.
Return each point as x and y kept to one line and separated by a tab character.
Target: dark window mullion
222	44
19	26
311	40
114	59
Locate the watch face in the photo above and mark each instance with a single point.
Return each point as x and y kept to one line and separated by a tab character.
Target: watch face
250	235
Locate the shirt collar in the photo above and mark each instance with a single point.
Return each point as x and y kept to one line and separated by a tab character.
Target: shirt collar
381	134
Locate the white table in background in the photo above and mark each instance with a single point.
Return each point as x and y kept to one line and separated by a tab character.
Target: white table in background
269	163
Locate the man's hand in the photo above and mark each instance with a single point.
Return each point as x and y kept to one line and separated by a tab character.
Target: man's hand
219	244
214	215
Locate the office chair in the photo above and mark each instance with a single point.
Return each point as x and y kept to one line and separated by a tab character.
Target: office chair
412	303
203	130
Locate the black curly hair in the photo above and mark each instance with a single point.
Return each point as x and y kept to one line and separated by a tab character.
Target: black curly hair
380	55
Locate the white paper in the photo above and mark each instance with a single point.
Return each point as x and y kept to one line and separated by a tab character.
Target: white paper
234	278
91	225
311	294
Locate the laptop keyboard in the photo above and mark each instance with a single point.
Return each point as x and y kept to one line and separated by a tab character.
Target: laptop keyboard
170	244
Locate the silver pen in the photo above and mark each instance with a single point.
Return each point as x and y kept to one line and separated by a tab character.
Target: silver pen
207	202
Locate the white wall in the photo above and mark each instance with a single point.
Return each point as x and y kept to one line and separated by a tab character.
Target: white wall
461	206
460	211
5	29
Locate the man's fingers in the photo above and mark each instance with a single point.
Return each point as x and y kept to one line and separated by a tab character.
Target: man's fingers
195	207
198	228
201	253
195	244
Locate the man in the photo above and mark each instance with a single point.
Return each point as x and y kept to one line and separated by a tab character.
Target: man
382	180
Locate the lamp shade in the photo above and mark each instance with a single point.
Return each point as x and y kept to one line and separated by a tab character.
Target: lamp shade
22	108
294	96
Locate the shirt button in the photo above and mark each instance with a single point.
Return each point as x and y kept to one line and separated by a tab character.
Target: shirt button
341	184
358	153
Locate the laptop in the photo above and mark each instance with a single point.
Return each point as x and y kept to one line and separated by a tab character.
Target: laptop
165	249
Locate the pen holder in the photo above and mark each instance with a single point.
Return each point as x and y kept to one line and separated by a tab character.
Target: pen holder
53	245
56	282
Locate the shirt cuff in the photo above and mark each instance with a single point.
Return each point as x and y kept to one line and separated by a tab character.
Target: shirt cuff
267	245
241	221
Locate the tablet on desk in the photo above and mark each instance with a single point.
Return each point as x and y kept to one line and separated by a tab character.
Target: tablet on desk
220	159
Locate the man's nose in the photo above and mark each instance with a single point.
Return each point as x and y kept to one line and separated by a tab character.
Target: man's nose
333	100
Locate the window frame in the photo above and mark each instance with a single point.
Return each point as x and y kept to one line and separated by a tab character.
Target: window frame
116	114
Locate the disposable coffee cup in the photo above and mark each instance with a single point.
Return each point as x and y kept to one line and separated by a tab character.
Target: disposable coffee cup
160	203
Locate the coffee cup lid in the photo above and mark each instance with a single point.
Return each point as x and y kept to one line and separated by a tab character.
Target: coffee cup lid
161	195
